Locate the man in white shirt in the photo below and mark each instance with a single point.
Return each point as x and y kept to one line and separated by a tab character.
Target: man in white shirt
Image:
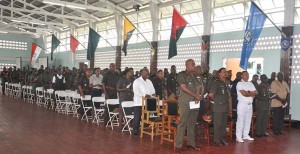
59	81
142	86
246	92
96	83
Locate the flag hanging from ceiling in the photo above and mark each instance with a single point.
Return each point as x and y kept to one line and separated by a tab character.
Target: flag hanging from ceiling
92	44
54	45
73	43
128	30
178	25
255	24
35	52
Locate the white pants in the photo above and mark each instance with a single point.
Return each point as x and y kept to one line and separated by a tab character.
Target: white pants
244	116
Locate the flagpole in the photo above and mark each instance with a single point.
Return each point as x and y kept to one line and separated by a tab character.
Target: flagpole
270	20
139	32
108	43
196	33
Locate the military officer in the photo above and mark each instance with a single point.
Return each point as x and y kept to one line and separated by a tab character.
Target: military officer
262	106
172	84
160	85
189	91
220	93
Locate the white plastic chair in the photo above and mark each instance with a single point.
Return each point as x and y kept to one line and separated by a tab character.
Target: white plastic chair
127	117
76	99
86	108
113	116
60	97
30	94
24	91
69	104
39	96
98	110
48	98
6	89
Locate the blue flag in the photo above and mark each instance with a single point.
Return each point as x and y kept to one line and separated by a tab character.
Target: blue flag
256	21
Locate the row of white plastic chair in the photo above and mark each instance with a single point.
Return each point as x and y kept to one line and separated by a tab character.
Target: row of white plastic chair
12	89
67	102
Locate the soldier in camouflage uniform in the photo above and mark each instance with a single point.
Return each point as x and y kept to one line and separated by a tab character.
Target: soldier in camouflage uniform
189	91
262	106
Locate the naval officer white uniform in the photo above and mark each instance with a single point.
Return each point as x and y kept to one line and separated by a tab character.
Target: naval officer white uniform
246	92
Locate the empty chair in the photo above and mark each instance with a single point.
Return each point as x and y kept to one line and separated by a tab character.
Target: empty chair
98	109
49	101
113	115
39	96
76	100
127	109
60	97
86	107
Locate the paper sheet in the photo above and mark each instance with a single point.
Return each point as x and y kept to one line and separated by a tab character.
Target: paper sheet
193	105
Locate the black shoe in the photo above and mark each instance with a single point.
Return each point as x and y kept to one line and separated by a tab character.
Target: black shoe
136	134
258	135
178	150
217	144
193	147
224	143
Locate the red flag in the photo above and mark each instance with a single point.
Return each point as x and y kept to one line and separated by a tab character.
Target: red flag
35	52
178	25
73	44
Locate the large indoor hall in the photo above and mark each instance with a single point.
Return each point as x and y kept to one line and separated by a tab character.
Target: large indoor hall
149	76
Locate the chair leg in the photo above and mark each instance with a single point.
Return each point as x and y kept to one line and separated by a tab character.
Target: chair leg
142	130
152	132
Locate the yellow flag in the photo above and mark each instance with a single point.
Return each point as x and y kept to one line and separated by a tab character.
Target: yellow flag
128	30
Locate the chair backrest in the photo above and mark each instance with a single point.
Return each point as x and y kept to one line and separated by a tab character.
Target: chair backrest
126	106
170	107
59	95
76	98
97	101
86	98
112	101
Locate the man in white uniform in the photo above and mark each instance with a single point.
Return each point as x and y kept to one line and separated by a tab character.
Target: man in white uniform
246	92
142	86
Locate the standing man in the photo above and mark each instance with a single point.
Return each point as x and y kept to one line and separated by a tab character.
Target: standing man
96	83
142	86
234	94
172	84
14	75
189	91
124	88
85	89
109	84
262	107
246	92
273	77
160	85
4	77
59	81
280	94
220	93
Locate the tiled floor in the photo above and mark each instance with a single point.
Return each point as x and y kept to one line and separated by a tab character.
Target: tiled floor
28	129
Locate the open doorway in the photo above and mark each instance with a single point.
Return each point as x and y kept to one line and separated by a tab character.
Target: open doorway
255	66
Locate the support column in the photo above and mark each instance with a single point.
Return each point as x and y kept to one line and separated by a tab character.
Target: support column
286	56
288	30
154	10
119	27
205	47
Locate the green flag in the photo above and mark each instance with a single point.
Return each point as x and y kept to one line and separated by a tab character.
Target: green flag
178	25
54	45
92	44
